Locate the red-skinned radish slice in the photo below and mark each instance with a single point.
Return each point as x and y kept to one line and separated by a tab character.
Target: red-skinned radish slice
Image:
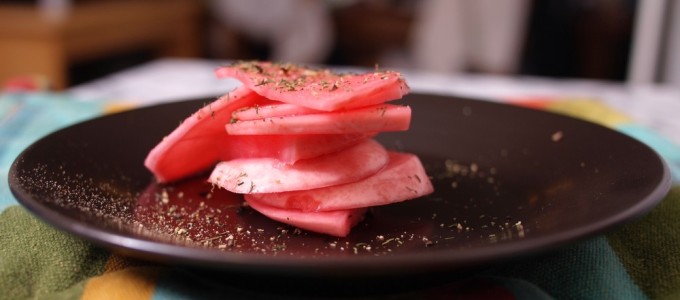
377	118
192	146
336	223
319	89
274	110
404	178
268	175
286	148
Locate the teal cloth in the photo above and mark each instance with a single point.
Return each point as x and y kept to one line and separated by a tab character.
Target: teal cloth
667	149
25	118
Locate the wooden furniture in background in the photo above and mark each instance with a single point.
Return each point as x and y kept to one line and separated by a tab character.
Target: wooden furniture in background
365	31
35	43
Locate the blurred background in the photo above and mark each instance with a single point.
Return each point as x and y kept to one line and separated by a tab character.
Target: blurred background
68	42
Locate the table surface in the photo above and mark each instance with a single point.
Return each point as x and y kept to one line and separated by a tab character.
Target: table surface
638	261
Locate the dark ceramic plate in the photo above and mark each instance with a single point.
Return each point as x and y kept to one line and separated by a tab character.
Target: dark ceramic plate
509	182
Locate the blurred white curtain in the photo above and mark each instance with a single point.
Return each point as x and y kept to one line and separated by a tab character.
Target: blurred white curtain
454	35
656	44
297	30
671	73
646	42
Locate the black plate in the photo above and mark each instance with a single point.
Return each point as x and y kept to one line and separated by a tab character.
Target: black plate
509	181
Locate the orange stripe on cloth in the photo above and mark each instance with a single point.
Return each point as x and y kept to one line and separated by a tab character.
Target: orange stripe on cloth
535	103
123	278
117	262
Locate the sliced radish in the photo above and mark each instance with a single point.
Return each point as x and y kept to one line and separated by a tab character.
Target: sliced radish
297	142
378	118
192	146
274	110
286	148
403	178
336	223
316	88
268	175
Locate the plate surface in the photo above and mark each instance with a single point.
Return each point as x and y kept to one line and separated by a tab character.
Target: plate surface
509	181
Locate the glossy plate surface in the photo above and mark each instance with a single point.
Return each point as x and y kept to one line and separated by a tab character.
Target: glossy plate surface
509	182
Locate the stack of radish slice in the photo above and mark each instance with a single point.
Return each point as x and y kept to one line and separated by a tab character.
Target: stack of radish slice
297	142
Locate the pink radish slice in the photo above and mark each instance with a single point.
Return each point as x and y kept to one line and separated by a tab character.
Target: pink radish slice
192	146
286	148
403	178
268	175
316	88
378	118
336	223
273	110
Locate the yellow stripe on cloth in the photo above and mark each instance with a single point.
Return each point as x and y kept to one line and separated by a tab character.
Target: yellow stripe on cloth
590	110
116	107
122	279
